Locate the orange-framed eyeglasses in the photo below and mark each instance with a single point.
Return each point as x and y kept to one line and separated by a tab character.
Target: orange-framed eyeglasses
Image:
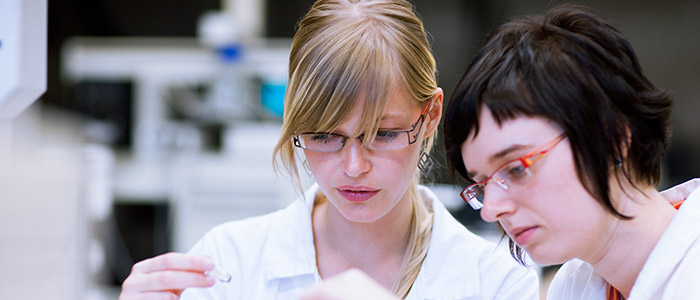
512	173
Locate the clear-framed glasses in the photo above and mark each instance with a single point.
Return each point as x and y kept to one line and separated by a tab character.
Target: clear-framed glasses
384	140
511	174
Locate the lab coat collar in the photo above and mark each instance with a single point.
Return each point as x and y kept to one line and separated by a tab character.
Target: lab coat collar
290	248
291	251
677	239
441	257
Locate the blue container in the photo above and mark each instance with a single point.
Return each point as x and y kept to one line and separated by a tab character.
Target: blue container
272	98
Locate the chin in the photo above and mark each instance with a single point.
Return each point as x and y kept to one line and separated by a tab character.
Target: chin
361	217
545	258
362	214
546	262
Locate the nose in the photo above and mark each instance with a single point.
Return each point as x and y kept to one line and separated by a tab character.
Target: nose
355	162
497	203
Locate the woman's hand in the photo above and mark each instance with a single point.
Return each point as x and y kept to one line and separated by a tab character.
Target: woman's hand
352	284
166	276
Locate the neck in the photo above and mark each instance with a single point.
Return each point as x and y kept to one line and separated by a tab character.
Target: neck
627	245
377	248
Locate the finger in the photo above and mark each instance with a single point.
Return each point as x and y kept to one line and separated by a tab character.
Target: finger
351	284
174	261
166	280
162	295
317	294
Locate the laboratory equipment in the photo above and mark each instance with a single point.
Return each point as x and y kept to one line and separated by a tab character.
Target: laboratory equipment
41	223
22	54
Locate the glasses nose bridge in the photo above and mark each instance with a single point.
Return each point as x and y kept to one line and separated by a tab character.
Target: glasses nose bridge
354	159
350	140
495	178
500	181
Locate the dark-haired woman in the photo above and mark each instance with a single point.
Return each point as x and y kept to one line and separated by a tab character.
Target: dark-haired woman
562	136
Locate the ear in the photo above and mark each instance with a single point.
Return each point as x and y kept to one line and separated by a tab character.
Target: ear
435	111
628	142
624	148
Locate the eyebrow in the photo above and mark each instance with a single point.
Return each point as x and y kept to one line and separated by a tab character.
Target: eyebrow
394	117
499	155
391	115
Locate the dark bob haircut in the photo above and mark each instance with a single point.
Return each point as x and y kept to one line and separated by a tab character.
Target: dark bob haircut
575	68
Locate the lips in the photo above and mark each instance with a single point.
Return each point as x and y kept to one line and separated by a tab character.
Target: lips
357	193
522	235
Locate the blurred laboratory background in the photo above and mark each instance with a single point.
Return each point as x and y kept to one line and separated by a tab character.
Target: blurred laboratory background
160	117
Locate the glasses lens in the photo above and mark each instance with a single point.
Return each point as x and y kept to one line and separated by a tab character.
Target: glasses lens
513	173
321	142
474	195
394	140
390	140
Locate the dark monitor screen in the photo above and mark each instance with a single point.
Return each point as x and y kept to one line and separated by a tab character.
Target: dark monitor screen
157	17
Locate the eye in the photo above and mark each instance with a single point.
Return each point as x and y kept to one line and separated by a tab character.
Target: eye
515	170
386	136
321	138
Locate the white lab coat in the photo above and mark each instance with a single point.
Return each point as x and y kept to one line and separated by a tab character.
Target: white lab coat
672	270
273	257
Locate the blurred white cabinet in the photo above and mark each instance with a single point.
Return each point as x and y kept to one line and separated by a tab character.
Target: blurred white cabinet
210	189
43	232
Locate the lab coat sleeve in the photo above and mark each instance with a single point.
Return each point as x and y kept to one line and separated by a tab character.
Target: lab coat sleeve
684	284
228	262
560	283
576	280
520	284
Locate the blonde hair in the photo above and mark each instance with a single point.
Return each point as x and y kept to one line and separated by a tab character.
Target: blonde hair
346	50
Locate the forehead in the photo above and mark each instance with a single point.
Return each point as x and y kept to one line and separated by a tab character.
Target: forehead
399	106
400	102
493	138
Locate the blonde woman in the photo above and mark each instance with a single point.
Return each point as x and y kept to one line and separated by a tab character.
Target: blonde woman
362	108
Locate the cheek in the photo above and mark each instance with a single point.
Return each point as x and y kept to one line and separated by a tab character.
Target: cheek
409	161
573	219
396	167
318	163
560	198
392	165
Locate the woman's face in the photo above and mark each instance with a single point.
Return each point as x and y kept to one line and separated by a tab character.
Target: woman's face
549	214
365	185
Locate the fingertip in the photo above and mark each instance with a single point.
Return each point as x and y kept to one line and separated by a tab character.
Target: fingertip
208	264
310	295
210	280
